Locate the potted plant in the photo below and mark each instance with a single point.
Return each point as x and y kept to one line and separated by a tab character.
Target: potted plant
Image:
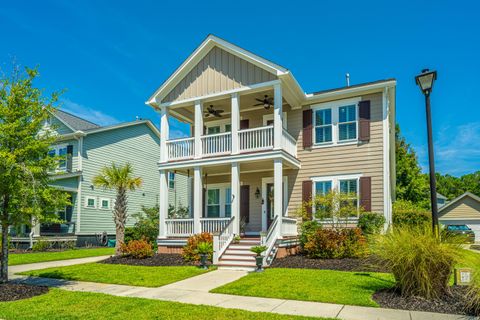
258	250
236	239
204	250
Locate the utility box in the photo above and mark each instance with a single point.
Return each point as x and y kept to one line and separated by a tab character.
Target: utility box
463	276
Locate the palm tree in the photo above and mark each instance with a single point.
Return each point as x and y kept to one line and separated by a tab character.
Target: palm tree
119	178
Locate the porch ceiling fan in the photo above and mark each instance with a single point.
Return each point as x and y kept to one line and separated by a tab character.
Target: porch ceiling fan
211	112
266	102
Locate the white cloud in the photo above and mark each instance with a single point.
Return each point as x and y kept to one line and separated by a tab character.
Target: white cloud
88	113
457	150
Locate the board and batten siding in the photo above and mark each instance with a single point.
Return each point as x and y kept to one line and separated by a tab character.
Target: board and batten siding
136	144
464	209
218	71
362	158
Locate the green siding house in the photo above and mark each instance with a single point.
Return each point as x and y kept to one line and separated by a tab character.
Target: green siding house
86	148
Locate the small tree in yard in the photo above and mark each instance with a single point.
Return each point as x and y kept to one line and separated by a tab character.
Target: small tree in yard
121	179
24	162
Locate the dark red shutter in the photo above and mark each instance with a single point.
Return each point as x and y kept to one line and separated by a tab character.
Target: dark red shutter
307	128
307	196
364	120
245	203
244	124
366	193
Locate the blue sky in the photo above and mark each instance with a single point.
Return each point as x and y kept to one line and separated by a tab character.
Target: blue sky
110	56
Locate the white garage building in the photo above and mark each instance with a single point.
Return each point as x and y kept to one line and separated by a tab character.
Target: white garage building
464	209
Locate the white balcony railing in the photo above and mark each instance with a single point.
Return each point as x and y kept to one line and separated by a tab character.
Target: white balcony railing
213	225
179	149
289	143
179	227
256	139
250	140
217	144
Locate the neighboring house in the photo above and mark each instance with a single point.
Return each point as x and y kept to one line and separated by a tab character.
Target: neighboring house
463	210
441	200
254	130
85	148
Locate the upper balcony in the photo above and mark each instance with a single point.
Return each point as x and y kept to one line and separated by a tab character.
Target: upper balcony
238	123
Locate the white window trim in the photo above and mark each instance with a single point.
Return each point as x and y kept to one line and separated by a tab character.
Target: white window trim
336	185
86	202
335	106
101	204
57	149
222	187
174	181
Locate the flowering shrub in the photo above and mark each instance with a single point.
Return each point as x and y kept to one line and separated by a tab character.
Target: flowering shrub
335	243
190	250
137	249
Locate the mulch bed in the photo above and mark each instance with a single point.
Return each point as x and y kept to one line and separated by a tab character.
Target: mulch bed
14	291
158	260
347	264
453	303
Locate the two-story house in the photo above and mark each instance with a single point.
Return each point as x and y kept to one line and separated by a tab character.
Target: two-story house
84	148
260	145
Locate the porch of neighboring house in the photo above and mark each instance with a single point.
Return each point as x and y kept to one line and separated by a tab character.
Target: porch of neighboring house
55	233
235	199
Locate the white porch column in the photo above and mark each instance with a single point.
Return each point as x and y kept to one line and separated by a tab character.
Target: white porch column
278	190
197	199
164	132
198	129
277	116
235	201
235	125
163	203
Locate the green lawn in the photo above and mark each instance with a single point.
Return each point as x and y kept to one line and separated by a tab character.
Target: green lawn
354	288
119	274
469	259
59	304
24	258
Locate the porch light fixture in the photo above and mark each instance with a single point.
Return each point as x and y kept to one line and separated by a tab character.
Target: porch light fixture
257	193
425	81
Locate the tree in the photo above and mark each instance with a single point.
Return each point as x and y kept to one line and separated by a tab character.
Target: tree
412	185
25	194
119	178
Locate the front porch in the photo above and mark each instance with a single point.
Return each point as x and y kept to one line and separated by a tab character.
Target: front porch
229	200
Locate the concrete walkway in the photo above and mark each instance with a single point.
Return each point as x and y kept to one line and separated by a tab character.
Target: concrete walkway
52	264
195	290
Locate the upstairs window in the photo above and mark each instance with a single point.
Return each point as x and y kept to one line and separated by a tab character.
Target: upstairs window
61	153
323	126
213	130
347	123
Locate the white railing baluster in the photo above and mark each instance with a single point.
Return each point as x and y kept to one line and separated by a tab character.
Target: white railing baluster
222	239
216	144
178	149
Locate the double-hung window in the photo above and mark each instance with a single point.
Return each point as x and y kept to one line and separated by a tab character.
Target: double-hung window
347	123
213	203
213	130
61	153
171	180
323	126
349	189
335	122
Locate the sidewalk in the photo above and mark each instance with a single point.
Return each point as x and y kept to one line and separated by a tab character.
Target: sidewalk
195	290
51	264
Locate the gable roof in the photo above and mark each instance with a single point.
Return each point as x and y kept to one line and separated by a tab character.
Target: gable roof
74	122
459	198
201	51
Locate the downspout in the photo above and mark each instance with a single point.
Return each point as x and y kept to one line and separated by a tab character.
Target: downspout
79	136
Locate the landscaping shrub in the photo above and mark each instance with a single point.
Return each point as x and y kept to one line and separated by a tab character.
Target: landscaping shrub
371	222
472	298
307	229
137	249
407	214
190	250
335	243
421	263
41	245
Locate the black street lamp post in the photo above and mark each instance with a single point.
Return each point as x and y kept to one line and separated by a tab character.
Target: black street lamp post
425	81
